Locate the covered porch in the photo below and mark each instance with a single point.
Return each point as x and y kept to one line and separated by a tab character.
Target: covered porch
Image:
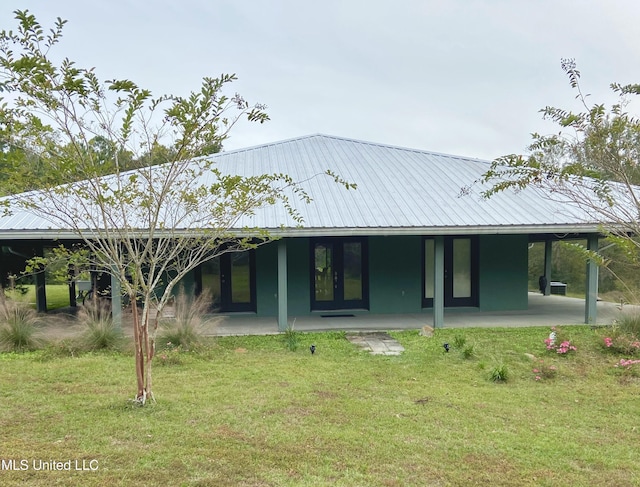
548	311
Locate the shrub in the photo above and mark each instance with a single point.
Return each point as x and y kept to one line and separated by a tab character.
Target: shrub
186	328
621	343
543	371
630	368
19	325
101	332
557	342
170	356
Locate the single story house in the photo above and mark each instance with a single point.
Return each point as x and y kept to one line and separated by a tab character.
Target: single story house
406	240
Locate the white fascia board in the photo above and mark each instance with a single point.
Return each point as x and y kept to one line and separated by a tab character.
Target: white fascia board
341	232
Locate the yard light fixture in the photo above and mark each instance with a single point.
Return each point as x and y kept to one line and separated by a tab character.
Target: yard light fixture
446	347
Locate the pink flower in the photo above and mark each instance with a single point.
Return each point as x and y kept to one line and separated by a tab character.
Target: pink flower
538	377
608	342
626	363
535	371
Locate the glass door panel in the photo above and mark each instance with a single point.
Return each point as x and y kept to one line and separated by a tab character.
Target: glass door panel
323	270
429	261
352	263
460	272
230	278
240	278
339	274
211	281
461	264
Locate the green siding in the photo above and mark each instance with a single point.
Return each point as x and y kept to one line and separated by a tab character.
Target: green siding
395	274
299	280
188	283
267	280
297	276
503	272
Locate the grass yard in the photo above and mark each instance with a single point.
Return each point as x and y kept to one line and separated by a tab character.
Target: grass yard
57	295
245	411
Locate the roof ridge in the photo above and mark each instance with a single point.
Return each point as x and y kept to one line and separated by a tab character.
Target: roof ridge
349	139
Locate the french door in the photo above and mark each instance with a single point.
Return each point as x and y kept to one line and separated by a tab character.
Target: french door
460	272
339	274
230	278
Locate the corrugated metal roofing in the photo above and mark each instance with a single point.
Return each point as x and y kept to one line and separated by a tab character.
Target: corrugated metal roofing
398	191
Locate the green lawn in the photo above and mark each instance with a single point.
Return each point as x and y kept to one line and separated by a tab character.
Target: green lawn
247	412
57	295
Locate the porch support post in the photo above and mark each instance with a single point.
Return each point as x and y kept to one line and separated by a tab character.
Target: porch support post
548	251
40	280
116	299
283	319
438	288
72	286
591	298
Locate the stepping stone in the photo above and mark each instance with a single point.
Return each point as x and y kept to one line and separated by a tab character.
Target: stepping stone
377	343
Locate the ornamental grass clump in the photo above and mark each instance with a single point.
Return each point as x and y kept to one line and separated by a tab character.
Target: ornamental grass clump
468	352
101	332
187	327
499	372
623	337
19	326
291	337
629	324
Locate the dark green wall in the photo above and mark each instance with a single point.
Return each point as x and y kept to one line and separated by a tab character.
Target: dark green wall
298	278
503	272
299	296
267	280
395	274
395	280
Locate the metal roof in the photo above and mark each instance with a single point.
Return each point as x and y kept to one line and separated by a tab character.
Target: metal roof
399	191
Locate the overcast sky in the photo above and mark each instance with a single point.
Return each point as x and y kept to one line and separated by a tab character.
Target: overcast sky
463	77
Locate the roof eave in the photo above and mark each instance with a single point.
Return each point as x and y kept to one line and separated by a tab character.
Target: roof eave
355	231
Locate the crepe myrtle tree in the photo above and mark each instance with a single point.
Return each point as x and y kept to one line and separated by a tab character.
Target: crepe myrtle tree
593	162
147	226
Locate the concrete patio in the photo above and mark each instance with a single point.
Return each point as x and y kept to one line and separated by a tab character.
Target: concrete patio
543	311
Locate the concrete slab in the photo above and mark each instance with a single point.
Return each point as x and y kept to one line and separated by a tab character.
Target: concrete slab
376	343
542	311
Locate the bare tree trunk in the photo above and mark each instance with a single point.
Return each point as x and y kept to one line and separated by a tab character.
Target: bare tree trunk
145	334
137	333
151	351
